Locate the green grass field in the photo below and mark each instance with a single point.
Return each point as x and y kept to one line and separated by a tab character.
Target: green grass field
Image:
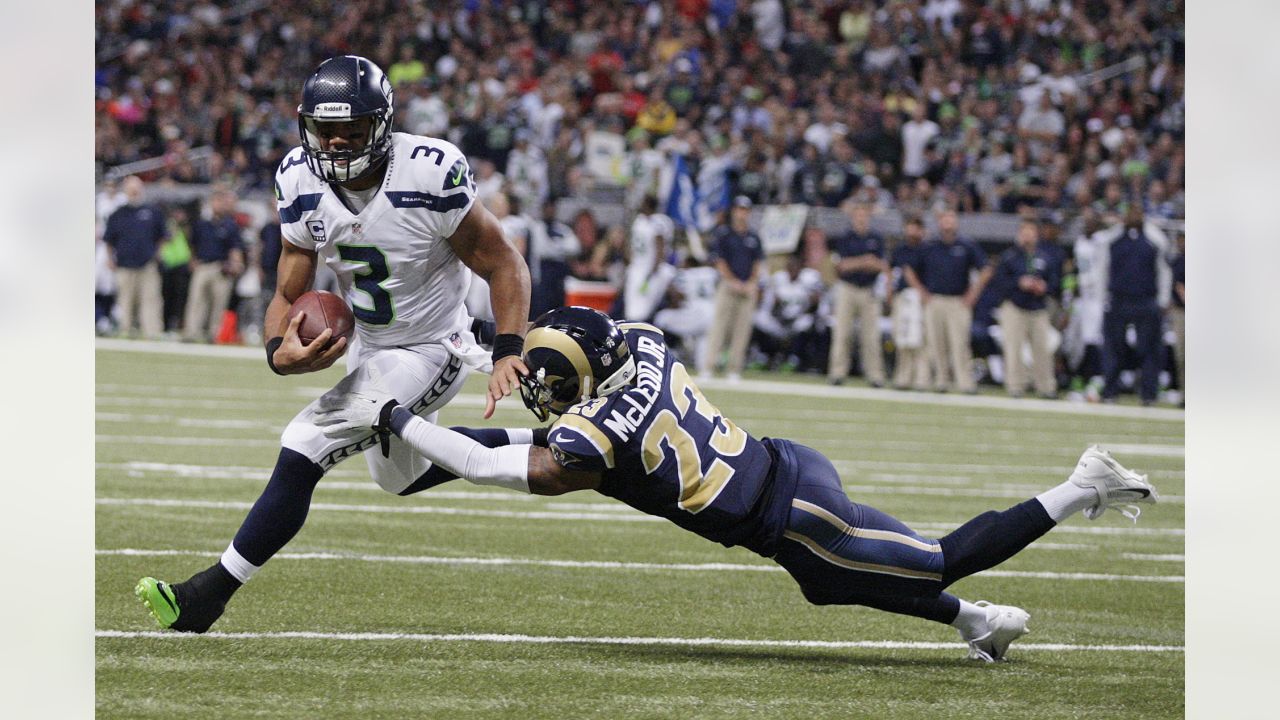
469	602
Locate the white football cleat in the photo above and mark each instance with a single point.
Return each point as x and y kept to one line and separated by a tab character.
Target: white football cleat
1117	486
1006	623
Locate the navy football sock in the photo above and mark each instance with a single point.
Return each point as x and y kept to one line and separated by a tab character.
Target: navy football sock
281	510
436	475
943	609
991	538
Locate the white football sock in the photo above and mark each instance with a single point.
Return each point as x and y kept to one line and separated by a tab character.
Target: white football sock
1067	499
971	622
235	564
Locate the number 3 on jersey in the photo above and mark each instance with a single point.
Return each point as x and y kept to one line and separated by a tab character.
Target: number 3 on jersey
369	280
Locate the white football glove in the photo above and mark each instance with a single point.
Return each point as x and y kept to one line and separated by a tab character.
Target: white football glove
342	414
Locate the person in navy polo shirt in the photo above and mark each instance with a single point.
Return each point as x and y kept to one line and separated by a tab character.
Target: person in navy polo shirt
737	255
1134	272
860	261
942	277
218	259
1026	276
134	233
911	361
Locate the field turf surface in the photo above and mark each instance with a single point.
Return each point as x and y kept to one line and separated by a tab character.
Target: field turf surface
472	602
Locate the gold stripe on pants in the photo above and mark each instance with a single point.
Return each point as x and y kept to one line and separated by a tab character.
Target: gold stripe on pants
946	331
732	321
853	302
1017	328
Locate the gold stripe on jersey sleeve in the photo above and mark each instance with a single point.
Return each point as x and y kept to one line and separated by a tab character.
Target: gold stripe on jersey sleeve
592	433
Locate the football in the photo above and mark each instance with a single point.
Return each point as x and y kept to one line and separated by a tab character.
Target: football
324	310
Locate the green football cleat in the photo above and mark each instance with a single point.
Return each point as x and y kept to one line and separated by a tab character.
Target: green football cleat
159	599
190	606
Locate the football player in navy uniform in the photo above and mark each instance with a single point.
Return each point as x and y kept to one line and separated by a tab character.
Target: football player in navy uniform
396	218
632	425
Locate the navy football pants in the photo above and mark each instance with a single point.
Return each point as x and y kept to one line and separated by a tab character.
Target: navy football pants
844	553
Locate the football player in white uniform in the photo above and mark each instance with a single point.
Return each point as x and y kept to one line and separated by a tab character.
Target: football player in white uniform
395	216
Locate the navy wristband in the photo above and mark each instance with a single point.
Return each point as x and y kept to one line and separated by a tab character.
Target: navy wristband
540	436
506	345
272	345
398	418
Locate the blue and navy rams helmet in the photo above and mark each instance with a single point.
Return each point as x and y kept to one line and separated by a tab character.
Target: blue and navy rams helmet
346	89
573	354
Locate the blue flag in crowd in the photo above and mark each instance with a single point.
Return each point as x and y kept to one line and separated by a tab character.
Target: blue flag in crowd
685	205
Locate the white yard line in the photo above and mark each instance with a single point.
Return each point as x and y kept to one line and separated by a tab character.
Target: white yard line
978	469
990	490
615	565
188	422
186	441
763	387
597	640
1154	558
634	516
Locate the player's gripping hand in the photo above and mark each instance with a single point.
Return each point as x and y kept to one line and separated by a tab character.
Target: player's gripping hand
294	358
505	379
343	413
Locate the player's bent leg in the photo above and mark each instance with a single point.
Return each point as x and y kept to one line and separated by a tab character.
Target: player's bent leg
428	377
276	516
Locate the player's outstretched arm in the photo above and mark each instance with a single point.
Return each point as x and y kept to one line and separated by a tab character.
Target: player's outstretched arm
526	468
481	245
285	352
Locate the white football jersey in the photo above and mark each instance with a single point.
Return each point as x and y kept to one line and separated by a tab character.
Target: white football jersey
394	264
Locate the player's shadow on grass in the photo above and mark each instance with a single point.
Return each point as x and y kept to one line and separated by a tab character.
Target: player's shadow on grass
708	653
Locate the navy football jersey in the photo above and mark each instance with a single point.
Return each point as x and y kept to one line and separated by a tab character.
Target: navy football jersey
665	450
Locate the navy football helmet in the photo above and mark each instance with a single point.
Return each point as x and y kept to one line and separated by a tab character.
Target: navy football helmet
573	354
345	89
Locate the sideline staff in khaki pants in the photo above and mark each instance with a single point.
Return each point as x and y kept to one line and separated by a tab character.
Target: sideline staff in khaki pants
942	277
134	233
861	261
219	259
737	255
1025	275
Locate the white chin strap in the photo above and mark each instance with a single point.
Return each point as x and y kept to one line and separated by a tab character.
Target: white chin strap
618	380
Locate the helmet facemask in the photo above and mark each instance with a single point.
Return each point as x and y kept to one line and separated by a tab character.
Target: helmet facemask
551	396
347	164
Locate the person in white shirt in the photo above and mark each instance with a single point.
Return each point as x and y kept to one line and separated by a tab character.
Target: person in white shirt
527	171
648	271
916	134
788	311
691	303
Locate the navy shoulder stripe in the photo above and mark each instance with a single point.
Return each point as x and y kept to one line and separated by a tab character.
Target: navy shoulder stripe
302	204
437	203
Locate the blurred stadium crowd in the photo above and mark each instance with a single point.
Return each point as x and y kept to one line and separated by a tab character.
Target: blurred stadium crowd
1067	113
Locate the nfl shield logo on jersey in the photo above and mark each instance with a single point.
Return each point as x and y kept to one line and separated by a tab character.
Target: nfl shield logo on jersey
316	228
